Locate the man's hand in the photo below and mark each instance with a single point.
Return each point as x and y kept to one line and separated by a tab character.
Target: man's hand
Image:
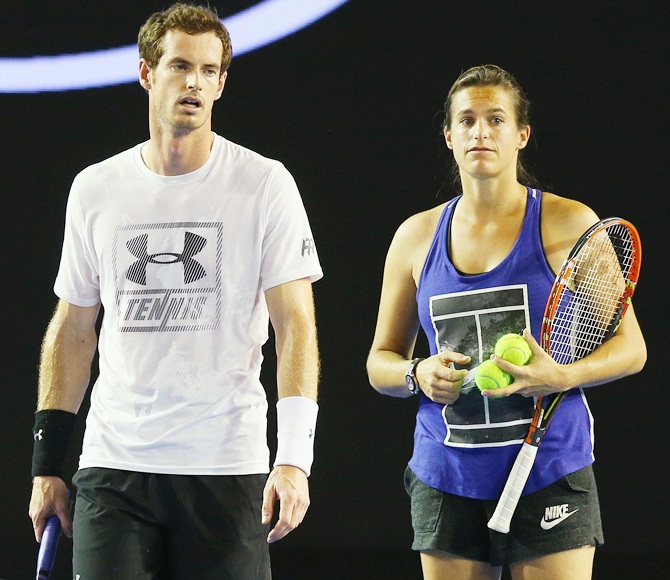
49	497
289	485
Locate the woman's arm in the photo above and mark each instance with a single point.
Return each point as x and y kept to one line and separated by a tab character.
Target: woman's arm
563	222
398	321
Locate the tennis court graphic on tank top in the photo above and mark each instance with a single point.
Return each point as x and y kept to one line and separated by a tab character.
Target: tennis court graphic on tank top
168	276
471	322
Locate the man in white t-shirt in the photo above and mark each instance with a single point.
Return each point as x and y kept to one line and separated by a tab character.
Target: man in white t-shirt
192	244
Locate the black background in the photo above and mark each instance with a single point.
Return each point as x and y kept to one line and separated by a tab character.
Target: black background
352	106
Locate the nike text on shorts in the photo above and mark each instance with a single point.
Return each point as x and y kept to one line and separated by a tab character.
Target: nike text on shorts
556	514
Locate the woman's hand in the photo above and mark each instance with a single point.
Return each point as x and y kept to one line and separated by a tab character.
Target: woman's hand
438	378
542	376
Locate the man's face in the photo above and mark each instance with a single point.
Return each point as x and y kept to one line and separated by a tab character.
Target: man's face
185	83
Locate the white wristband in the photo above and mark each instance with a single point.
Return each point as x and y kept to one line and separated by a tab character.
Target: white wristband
296	424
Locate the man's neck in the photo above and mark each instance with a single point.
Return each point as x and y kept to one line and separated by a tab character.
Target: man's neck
177	155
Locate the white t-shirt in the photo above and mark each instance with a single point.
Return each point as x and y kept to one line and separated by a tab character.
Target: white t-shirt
180	265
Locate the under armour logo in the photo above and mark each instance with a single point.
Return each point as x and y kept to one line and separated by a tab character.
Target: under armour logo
193	270
37	435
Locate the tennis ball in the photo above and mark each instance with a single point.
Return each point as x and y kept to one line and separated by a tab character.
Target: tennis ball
490	376
513	348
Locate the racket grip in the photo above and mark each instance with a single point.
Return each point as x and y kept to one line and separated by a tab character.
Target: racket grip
48	548
502	516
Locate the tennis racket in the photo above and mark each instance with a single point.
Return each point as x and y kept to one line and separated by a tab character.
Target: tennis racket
586	305
48	548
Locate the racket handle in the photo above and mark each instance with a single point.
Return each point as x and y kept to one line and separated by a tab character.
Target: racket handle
502	516
48	548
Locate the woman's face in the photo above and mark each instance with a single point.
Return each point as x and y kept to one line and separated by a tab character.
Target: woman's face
484	134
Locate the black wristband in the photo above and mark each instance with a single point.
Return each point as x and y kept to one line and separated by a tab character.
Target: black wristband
51	437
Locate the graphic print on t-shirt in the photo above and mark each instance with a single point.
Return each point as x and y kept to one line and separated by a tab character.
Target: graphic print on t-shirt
471	323
168	276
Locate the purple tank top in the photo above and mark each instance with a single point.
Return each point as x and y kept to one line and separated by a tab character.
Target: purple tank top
468	448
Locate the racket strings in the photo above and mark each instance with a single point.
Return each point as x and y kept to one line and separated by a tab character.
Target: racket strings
593	297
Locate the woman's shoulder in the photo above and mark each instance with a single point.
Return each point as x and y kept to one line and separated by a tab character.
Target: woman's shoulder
564	220
564	213
413	238
421	225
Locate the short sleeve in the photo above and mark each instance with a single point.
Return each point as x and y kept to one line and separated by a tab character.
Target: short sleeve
77	280
289	251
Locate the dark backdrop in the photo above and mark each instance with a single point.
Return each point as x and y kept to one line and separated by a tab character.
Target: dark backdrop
352	106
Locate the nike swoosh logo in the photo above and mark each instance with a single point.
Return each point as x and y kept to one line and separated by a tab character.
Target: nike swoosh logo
545	525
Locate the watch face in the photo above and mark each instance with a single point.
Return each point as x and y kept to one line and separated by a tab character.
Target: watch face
411	385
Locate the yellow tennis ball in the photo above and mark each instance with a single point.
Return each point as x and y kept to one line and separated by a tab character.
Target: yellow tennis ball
513	348
490	376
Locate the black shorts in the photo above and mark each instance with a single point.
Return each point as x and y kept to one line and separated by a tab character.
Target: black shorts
562	516
143	525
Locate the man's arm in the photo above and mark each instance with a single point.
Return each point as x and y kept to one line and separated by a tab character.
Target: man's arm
65	370
291	308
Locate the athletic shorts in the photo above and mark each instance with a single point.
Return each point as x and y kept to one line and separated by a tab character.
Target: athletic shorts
156	526
563	516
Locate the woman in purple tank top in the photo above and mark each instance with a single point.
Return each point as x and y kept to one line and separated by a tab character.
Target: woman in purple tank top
462	271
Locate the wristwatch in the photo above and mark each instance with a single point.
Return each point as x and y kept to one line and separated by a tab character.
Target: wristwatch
410	377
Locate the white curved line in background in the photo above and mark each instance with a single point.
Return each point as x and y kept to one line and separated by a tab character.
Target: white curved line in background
252	28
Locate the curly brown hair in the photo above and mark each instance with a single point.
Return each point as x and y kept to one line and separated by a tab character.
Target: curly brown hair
187	18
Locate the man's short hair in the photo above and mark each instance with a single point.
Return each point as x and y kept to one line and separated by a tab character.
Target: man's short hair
185	18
